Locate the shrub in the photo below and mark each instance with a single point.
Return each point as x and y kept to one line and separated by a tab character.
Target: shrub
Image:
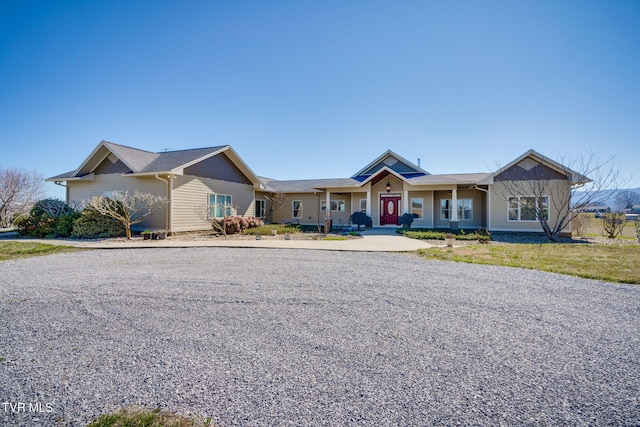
481	235
580	224
361	218
406	220
92	225
236	224
613	223
48	218
638	229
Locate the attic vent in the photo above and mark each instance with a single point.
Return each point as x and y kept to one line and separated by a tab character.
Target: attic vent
390	161
112	158
528	164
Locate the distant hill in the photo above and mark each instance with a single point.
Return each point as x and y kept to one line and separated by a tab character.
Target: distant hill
609	196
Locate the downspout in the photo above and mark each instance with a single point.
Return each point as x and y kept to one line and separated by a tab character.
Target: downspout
488	204
66	190
170	205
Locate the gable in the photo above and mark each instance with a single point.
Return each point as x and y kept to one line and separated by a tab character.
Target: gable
218	167
111	164
392	162
529	169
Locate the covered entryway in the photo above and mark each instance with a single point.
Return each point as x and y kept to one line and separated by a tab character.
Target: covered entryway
389	210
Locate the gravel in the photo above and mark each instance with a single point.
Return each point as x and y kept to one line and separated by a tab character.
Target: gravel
257	337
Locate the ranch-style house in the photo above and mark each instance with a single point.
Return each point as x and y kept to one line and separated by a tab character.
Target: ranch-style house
217	181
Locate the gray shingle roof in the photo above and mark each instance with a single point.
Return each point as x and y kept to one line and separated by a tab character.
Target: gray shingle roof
455	178
307	185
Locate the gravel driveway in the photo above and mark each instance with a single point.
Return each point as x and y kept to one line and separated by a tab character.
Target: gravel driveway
293	337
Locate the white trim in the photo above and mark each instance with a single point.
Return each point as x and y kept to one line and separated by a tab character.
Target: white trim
520	206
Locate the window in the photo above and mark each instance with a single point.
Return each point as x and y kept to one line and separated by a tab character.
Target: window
297	208
523	208
363	206
465	209
219	205
445	209
260	208
416	208
336	205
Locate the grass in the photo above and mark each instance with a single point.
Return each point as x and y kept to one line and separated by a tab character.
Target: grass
612	263
266	229
133	416
12	250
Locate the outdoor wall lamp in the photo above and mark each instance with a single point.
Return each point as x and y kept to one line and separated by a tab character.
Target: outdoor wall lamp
388	187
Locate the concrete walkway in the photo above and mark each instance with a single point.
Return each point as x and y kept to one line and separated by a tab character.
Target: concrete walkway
374	240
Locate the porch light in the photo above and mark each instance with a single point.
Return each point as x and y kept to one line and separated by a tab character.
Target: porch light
388	187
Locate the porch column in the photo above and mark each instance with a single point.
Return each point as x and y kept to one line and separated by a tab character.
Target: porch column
327	211
454	208
369	203
405	201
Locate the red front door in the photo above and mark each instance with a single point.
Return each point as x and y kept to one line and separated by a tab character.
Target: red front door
389	210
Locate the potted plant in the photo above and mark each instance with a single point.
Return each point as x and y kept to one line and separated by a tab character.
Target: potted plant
146	234
161	234
449	239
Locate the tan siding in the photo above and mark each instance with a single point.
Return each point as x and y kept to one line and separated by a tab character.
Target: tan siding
191	195
427	208
82	191
499	210
310	209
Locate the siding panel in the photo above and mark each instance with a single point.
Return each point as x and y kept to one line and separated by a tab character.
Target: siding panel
191	195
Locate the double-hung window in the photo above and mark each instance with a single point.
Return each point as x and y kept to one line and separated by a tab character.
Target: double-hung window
261	208
416	207
465	209
296	206
363	206
336	206
219	205
527	208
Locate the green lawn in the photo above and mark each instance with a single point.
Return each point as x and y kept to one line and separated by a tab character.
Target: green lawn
133	416
613	263
12	250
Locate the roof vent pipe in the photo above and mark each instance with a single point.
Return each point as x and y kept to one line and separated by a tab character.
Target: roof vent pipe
418	161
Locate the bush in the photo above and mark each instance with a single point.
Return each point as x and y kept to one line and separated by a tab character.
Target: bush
613	223
481	235
236	224
48	218
581	223
361	218
93	225
406	220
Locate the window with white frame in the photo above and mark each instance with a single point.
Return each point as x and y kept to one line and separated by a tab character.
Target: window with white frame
336	205
416	207
363	206
296	206
220	205
261	208
523	208
465	209
445	209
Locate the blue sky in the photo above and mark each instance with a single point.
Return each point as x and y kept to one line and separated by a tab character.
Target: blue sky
306	89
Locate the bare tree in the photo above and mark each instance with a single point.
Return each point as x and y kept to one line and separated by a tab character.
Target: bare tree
274	201
625	199
127	208
19	190
554	198
218	223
